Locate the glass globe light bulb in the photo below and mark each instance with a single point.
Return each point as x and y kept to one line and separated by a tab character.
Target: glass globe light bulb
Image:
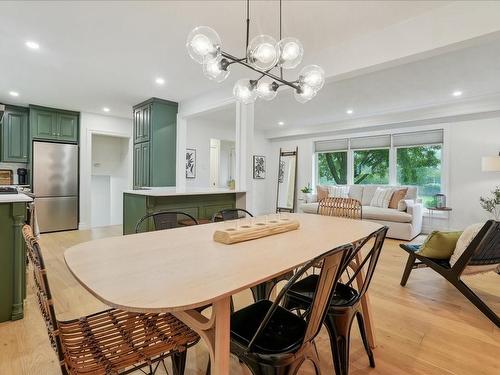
306	93
263	52
213	70
313	76
203	44
267	90
245	91
291	53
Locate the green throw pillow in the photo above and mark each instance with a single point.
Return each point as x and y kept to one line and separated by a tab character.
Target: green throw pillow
439	245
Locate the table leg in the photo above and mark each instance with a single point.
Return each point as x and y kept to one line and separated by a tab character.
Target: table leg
215	331
366	305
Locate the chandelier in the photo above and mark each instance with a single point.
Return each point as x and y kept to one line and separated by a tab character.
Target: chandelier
263	55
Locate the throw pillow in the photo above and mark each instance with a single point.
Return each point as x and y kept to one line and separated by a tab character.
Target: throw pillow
439	245
381	197
463	242
397	196
336	191
322	192
402	205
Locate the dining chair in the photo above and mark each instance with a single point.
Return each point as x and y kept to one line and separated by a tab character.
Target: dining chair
483	250
271	340
341	207
263	290
345	304
165	220
111	341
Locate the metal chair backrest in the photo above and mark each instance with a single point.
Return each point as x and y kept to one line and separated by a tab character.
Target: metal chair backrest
341	207
42	289
333	263
166	220
484	248
230	214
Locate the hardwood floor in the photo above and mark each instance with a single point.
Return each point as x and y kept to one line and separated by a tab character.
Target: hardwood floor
426	328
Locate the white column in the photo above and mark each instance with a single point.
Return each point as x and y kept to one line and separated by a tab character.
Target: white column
244	151
180	174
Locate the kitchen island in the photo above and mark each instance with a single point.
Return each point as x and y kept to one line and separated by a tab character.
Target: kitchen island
199	203
12	256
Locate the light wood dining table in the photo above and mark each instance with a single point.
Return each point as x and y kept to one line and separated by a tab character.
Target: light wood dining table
179	270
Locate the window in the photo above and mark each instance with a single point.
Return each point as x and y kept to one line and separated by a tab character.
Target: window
332	168
420	166
371	166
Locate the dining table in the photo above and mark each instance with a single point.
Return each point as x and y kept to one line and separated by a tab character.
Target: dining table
180	270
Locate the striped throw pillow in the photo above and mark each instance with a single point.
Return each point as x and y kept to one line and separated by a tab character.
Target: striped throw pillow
336	191
382	197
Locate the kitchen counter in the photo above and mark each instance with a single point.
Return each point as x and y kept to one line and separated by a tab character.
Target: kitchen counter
14	198
173	191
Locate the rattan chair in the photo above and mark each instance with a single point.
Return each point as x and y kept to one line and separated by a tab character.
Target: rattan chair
345	304
271	340
341	207
111	341
483	250
165	220
263	290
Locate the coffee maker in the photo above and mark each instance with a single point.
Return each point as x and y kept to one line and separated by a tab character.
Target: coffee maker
22	176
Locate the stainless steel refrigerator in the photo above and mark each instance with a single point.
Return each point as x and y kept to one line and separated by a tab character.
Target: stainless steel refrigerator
55	185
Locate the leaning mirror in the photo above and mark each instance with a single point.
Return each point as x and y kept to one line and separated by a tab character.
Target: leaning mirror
287	181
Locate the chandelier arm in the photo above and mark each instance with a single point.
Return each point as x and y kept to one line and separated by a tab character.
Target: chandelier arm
270	75
281	68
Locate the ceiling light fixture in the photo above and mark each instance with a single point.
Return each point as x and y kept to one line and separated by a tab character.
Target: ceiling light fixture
32	45
281	123
160	81
349	111
13	93
263	55
457	93
105	109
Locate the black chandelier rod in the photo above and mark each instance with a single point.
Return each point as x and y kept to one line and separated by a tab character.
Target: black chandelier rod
266	73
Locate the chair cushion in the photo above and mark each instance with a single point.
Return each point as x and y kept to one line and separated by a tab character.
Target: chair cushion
304	290
416	248
284	332
463	242
386	214
439	245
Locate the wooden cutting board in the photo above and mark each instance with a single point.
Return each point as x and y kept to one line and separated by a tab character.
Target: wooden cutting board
6	177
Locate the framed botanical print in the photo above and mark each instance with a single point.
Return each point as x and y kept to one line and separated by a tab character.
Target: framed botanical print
259	167
190	163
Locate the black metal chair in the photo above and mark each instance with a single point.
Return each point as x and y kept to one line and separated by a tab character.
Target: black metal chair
271	340
345	304
261	291
165	220
483	250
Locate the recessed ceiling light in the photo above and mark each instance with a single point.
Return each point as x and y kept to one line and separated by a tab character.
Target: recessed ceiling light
349	111
160	81
281	123
457	93
105	109
32	45
13	93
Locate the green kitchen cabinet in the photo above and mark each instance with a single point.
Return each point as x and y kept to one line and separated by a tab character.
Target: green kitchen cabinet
15	135
155	130
54	124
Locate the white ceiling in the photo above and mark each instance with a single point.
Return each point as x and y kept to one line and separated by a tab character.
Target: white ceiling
107	54
426	83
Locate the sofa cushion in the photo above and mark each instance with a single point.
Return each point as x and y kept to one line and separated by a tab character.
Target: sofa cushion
309	208
322	191
368	192
356	192
388	214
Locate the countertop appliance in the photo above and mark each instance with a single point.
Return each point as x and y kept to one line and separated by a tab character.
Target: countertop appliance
22	176
55	185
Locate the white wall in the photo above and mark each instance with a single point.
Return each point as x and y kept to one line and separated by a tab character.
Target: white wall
110	167
199	133
106	125
465	143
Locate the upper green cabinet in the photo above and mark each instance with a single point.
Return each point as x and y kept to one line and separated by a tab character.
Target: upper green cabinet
155	138
14	145
53	124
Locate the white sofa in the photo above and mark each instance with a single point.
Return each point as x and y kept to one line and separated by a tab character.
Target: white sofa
403	225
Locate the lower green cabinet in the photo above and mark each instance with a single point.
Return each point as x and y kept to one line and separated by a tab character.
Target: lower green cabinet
15	135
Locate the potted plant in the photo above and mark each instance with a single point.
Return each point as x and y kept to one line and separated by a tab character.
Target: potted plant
307	193
492	203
